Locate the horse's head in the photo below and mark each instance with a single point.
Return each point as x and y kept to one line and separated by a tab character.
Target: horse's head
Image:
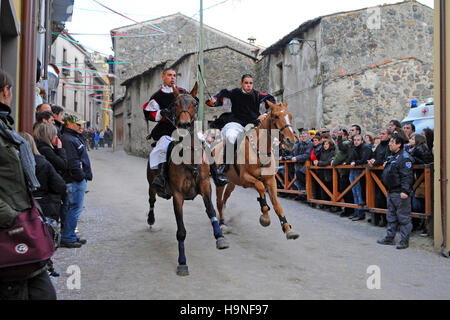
186	110
281	120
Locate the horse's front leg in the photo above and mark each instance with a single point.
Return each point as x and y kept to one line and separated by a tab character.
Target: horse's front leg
219	203
264	220
205	190
285	226
151	196
178	200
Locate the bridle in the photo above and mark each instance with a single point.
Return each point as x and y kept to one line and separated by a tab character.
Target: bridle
274	124
191	116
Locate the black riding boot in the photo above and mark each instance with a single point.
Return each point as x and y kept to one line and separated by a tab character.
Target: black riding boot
218	176
159	182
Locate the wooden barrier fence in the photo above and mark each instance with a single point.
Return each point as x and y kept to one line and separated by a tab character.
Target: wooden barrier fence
372	182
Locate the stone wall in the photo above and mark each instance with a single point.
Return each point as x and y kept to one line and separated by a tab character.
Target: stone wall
376	95
183	36
371	75
348	45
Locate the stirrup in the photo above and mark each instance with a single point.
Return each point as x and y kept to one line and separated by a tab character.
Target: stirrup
160	185
218	176
222	169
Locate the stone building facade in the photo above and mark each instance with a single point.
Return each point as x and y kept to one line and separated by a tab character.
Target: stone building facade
350	72
224	67
146	47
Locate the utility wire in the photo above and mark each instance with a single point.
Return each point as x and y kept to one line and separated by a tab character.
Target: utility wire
124	16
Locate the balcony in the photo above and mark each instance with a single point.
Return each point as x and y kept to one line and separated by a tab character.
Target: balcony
66	68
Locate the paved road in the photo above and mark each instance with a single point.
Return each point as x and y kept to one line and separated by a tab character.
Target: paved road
125	259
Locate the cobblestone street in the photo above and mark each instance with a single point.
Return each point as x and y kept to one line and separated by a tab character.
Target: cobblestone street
125	259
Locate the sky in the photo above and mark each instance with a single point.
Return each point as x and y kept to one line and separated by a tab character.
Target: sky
266	20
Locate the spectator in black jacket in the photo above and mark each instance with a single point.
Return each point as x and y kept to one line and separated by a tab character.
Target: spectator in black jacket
52	184
380	156
418	149
344	147
76	176
360	154
58	115
429	136
302	152
315	155
382	151
420	155
326	175
50	146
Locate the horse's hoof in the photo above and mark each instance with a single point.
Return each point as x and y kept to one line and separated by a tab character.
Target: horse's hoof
265	222
182	270
225	229
292	235
222	243
151	219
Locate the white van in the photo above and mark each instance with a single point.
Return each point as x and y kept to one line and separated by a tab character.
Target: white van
422	116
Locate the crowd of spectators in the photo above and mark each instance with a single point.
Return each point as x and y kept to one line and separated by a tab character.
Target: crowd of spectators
51	168
352	147
96	138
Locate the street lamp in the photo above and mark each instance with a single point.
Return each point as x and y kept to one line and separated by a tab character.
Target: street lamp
294	47
296	44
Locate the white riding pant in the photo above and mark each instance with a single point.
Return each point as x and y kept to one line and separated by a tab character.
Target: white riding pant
231	132
159	152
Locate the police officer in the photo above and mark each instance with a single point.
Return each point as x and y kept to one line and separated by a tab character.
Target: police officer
398	179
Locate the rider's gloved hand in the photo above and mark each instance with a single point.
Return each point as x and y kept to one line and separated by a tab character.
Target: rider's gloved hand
211	102
165	113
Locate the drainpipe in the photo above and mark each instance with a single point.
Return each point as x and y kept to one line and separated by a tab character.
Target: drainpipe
48	38
443	116
28	66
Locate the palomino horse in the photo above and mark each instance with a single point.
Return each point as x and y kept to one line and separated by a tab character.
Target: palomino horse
251	174
186	180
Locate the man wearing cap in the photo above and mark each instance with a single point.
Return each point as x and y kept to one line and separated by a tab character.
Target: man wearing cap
77	174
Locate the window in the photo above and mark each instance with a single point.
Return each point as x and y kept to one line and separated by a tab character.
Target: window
279	86
75	102
65	64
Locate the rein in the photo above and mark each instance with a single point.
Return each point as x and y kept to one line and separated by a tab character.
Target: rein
194	168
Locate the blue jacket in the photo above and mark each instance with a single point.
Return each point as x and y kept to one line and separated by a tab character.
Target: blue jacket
78	164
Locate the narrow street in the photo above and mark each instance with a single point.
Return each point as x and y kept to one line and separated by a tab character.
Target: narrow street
125	259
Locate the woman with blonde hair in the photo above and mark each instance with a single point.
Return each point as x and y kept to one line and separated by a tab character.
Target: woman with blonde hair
52	184
49	145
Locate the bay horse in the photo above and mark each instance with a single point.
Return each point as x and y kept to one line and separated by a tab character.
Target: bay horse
249	174
186	180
